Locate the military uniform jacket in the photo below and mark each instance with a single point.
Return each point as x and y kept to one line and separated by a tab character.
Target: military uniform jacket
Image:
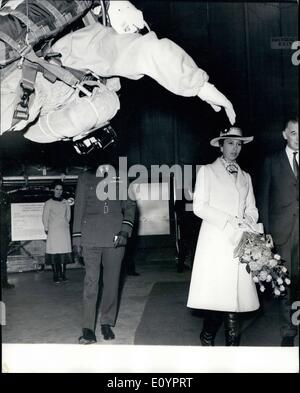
97	221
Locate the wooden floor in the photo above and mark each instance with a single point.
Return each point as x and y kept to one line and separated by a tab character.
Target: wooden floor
41	312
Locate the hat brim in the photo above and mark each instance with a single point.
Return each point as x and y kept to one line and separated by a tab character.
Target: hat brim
246	139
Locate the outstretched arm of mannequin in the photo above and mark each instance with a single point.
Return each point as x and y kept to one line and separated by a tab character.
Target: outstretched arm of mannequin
132	56
216	99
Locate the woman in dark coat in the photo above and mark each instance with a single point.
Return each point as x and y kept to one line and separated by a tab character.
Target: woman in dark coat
56	219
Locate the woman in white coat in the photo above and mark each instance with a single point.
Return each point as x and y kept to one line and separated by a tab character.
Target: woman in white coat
56	218
225	201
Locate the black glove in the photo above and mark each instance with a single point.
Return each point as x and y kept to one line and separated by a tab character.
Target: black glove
120	240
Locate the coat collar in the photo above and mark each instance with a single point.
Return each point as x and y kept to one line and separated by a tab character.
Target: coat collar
220	171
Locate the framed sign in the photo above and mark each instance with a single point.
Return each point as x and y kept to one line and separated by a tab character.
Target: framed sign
26	221
153	201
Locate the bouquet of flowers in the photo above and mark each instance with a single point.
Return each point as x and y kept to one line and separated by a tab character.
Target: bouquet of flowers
266	267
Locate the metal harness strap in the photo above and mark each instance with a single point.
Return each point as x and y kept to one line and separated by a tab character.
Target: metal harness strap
29	72
31	64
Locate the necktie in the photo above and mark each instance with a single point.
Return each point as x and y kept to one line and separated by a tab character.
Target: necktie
295	165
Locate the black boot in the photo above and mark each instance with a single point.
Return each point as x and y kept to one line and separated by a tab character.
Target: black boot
211	325
63	272
55	273
59	271
88	337
232	330
107	333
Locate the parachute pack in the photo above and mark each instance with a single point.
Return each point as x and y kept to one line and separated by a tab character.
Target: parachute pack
33	22
51	72
27	30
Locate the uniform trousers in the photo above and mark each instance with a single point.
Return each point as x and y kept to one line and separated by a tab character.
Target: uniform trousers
111	260
290	253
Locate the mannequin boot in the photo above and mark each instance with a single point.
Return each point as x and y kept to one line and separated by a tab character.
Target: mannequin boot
231	330
63	272
55	273
211	325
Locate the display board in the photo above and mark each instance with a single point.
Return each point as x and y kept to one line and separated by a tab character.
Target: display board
153	208
26	221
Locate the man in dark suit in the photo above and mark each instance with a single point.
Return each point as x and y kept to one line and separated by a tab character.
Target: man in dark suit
103	221
279	212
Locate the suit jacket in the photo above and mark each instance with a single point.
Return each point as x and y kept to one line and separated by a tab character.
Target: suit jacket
98	221
278	197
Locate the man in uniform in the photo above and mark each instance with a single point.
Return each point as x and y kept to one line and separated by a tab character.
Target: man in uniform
103	221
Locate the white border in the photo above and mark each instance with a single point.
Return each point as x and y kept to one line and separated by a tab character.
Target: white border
54	358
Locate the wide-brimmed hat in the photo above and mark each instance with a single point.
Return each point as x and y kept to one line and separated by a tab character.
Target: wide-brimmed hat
233	133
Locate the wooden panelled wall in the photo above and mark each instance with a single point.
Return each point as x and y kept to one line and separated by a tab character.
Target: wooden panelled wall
232	42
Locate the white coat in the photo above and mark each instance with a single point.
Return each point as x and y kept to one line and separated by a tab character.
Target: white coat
56	218
219	282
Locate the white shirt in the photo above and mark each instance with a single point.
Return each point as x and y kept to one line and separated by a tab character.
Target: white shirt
290	154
